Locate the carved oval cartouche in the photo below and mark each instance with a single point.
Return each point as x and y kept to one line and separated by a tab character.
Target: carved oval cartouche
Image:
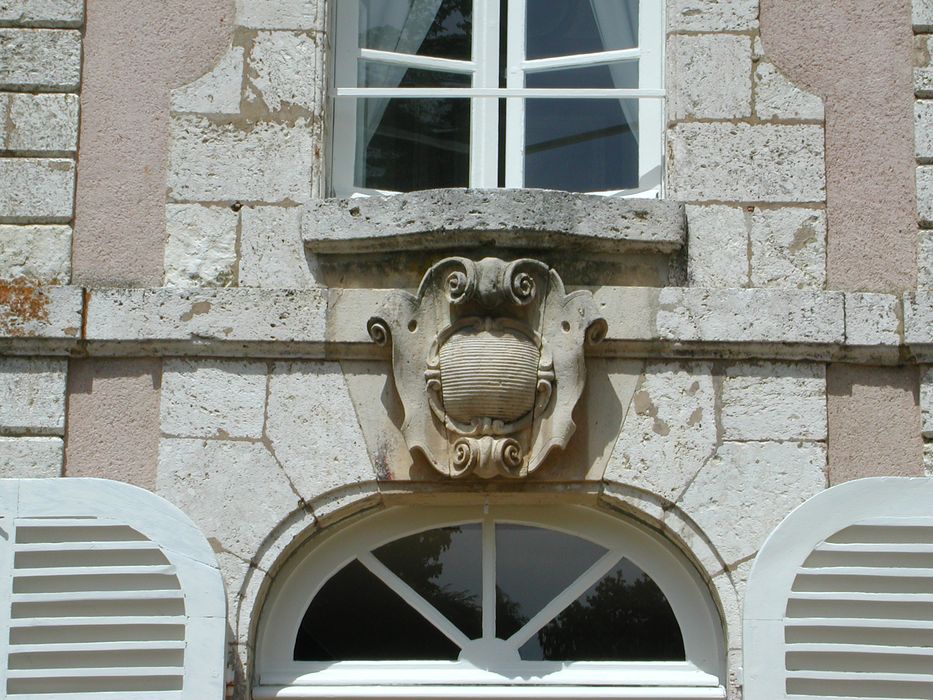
488	374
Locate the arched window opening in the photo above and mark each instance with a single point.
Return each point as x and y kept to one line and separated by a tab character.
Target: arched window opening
454	597
555	94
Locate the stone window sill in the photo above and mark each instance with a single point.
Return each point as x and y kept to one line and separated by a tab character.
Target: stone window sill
466	218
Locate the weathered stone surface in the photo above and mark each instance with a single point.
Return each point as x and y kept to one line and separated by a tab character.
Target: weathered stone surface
746	162
918	318
923	15
873	319
32	396
776	97
925	194
39	123
223	162
234	491
712	15
40	58
217	92
48	13
923	70
31	457
272	253
200	246
747	489
313	430
928	458
788	248
199	316
28	312
925	260
213	398
774	401
280	14
923	129
926	401
750	315
34	190
517	218
709	76
717	250
285	69
670	430
38	253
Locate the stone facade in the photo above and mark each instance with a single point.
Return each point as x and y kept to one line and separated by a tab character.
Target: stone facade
733	371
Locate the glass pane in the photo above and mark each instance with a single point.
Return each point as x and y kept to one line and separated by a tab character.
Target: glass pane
567	27
581	145
611	76
623	617
356	617
373	74
446	567
412	144
441	28
532	566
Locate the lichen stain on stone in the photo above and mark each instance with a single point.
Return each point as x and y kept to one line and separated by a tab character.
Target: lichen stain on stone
695	417
804	236
197	308
644	406
660	427
21	304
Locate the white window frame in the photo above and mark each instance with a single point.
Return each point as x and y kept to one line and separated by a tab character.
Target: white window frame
485	92
278	675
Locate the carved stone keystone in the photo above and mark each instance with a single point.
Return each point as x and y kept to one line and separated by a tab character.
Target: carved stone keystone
488	363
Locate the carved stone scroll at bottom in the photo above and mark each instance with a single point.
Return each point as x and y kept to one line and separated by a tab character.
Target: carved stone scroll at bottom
488	362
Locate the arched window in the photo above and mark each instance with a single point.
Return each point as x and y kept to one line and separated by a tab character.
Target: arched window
555	94
550	602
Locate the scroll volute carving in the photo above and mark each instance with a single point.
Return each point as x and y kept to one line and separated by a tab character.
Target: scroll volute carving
488	363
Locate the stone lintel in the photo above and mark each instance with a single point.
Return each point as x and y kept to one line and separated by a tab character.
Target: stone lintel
457	218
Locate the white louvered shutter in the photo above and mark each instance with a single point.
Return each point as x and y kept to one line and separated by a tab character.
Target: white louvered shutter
111	593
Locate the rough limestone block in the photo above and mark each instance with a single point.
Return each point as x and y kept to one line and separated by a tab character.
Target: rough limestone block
923	15
670	430
918	318
776	97
49	312
923	129
213	398
712	15
36	190
40	58
926	401
923	71
224	162
32	396
709	76
234	491
717	247
31	457
925	260
280	14
746	162
873	319
272	253
200	246
928	458
40	254
774	401
750	315
313	429
57	13
286	69
747	489
217	92
40	123
788	248
234	315
925	194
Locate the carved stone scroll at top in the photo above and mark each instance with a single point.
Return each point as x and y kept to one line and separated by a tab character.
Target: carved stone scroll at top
488	363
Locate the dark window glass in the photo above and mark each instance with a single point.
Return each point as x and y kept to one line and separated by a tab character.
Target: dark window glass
356	617
421	27
623	617
610	76
445	567
581	145
568	27
532	566
374	74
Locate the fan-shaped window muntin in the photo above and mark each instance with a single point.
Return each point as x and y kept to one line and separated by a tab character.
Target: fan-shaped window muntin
594	556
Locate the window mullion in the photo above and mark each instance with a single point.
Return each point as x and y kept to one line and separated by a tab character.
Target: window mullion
484	115
345	111
515	106
489	577
650	75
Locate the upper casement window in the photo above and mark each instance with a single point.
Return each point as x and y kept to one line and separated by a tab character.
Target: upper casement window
555	94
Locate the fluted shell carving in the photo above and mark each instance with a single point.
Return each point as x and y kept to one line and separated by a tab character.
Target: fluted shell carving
502	345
